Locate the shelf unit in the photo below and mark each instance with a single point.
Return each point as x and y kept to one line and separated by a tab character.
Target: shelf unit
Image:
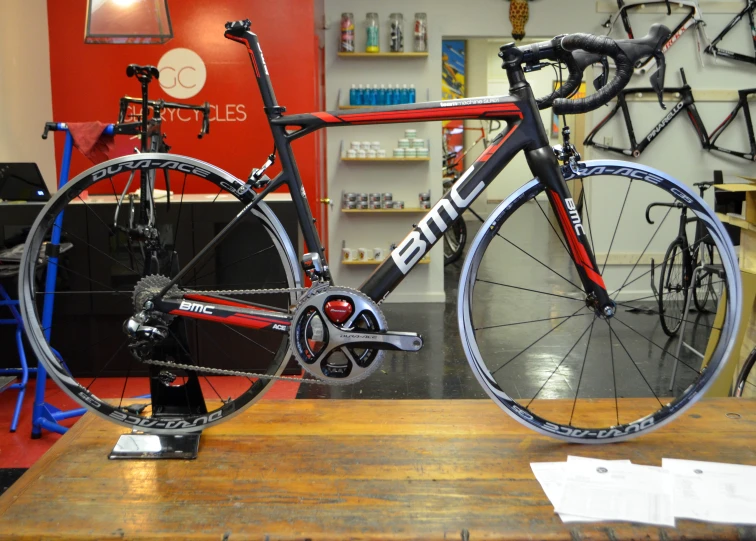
384	55
385	211
387	159
425	261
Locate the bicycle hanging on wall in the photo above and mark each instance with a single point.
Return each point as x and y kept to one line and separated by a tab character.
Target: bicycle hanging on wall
688	104
692	19
567	318
714	49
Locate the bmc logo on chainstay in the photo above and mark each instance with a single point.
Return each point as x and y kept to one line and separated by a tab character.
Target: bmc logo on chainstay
197	307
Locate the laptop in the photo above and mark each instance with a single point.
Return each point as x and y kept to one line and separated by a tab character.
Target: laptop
22	182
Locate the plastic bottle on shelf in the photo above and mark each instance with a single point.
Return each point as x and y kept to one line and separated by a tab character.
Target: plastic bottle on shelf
397	94
390	95
374	95
360	96
412	94
373	42
382	95
405	94
353	95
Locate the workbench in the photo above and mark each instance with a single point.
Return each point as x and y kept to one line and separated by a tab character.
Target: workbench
351	469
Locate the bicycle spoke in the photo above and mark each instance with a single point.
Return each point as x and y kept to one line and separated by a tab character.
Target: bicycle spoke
96	249
249	339
97	375
616	227
229	265
526	322
582	369
560	364
613	295
176	228
614	373
530	290
540	262
538	340
657	345
559	238
611	330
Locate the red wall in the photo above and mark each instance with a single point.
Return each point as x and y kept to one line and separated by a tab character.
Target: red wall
88	79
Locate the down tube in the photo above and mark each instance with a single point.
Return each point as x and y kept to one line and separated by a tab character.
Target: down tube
431	228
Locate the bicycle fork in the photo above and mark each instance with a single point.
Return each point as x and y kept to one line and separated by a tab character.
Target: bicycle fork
544	165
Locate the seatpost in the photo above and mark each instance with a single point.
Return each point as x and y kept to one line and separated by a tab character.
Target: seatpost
145	112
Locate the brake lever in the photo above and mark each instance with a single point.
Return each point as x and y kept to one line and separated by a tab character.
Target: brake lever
602	78
657	78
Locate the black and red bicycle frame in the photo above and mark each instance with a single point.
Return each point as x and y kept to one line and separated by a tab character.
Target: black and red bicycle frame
524	132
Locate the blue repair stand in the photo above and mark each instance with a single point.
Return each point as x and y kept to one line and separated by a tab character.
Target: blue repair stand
45	415
24	371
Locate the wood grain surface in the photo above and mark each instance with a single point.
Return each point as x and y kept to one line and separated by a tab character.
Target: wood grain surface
351	469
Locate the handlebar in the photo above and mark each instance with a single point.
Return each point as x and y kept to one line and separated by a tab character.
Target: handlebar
675	205
159	105
577	52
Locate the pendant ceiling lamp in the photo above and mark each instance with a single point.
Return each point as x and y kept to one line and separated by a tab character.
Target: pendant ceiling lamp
128	21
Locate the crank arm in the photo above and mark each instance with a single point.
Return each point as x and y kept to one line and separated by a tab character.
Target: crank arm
395	341
225	311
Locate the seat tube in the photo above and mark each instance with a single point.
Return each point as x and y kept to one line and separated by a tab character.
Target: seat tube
544	165
261	72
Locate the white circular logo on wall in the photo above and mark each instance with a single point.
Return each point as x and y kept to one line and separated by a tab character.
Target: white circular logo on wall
182	73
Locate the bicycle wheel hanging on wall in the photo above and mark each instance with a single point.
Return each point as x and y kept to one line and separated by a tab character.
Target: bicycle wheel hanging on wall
547	358
104	276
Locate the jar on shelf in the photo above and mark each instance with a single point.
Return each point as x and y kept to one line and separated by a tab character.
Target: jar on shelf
421	33
373	44
347	33
396	23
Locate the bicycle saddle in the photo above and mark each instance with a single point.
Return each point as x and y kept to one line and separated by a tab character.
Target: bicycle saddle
146	72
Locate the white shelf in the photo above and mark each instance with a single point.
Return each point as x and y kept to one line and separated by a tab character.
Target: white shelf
384	55
373	262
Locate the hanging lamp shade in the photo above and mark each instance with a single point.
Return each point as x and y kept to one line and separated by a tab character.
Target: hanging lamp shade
128	21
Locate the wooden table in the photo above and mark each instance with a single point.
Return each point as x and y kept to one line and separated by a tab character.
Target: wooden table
424	469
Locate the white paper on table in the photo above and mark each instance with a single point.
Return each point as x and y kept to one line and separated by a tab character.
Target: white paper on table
713	491
551	477
615	491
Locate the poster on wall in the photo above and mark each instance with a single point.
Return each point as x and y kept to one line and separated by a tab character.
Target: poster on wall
453	88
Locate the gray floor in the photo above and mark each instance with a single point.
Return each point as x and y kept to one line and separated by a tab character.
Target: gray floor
559	365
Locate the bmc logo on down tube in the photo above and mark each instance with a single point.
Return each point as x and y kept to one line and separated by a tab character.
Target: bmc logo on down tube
182	73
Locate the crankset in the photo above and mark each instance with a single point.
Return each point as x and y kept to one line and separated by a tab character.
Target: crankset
339	335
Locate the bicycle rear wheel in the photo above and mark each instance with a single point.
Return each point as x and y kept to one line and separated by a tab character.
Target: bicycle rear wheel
543	355
673	294
116	261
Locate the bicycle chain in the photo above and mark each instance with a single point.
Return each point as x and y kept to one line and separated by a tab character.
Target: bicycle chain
225	372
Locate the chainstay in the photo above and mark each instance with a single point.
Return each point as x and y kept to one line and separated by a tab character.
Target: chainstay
225	372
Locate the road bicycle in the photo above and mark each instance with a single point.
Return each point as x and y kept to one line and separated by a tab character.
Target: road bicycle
532	297
687	103
713	48
692	19
680	260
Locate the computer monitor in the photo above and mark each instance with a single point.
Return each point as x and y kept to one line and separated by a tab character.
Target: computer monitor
22	182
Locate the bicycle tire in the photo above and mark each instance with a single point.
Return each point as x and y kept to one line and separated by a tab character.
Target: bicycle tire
455	239
490	348
282	268
672	279
745	385
704	288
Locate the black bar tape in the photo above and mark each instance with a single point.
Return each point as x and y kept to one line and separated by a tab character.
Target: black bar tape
600	45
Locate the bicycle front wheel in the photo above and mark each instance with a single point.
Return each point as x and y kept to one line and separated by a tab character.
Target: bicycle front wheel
113	257
538	349
673	294
455	239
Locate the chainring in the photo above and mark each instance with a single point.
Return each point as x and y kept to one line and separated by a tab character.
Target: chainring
310	336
